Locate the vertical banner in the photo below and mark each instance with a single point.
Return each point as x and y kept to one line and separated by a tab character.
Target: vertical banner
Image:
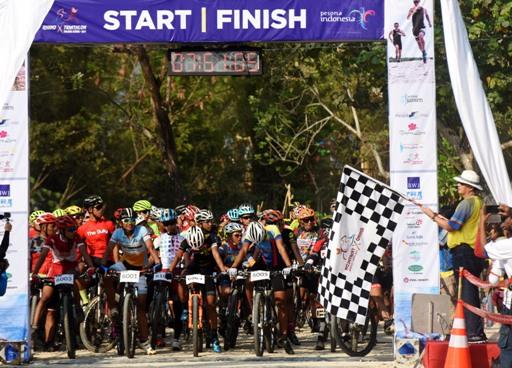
14	202
413	153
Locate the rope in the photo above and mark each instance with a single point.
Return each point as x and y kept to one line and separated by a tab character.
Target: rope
481	283
495	317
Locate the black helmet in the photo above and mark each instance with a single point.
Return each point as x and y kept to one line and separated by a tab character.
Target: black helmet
127	213
92	201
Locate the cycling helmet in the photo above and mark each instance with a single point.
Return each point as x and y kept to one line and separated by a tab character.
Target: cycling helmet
45	218
195	237
204	215
65	222
142	205
92	201
59	212
245	209
296	210
155	212
127	213
233	227
139	219
305	213
73	210
33	216
233	215
180	209
190	212
272	216
255	232
168	214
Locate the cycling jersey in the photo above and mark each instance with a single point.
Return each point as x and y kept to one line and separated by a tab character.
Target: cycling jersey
36	245
169	246
229	252
202	260
270	256
96	235
305	242
64	253
133	246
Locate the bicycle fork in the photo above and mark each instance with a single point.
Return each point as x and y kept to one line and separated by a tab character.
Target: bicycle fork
199	311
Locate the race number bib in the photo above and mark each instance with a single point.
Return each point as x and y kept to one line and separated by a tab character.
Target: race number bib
129	276
260	275
64	280
160	276
194	279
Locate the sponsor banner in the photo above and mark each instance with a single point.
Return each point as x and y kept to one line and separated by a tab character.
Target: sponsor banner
164	21
413	153
14	200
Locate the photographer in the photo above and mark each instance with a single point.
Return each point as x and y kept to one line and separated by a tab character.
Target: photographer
3	251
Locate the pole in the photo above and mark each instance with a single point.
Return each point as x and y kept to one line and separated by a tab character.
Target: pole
459	291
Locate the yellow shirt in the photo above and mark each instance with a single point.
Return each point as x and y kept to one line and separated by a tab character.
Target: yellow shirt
467	213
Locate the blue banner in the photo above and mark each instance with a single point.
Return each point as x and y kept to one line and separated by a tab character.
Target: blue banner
203	21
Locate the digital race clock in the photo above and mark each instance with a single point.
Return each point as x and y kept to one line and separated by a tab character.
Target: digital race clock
215	62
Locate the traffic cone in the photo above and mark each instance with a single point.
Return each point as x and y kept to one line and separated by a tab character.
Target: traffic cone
458	355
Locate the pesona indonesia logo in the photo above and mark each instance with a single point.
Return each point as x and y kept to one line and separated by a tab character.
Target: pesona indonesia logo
3	134
354	16
412	129
409	99
363	15
66	21
5	190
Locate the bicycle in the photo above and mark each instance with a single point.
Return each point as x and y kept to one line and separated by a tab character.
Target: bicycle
353	339
97	330
160	313
233	310
263	316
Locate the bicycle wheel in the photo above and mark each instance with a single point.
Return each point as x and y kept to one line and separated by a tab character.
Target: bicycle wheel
68	323
354	339
34	299
268	325
158	319
129	326
258	319
96	329
232	322
195	326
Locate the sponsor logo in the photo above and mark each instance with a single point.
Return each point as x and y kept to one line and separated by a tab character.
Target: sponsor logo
415	268
3	122
414	255
415	194
413	115
5	190
416	224
413	158
7	107
5	202
3	134
406	280
410	146
363	16
350	247
66	22
408	99
413	182
5	167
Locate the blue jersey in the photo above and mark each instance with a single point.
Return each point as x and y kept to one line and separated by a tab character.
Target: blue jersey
133	247
269	253
229	253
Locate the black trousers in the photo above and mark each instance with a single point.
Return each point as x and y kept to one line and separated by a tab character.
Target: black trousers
464	256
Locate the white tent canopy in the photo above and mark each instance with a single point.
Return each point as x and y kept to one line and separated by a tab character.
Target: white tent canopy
19	22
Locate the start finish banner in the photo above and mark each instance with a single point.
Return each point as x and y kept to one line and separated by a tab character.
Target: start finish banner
412	143
202	21
14	174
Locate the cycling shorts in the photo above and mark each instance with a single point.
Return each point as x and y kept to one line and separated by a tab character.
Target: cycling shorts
281	283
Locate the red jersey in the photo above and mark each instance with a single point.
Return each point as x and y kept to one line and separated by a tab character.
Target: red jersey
64	253
36	244
96	235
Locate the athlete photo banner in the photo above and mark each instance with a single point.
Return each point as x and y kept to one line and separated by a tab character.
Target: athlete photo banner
167	21
14	200
413	151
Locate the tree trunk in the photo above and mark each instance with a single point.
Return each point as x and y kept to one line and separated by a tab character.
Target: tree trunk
161	115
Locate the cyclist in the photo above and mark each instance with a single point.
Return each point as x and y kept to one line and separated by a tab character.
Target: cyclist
63	246
246	214
76	212
270	254
59	212
186	217
96	233
197	251
135	243
233	215
170	242
36	238
143	209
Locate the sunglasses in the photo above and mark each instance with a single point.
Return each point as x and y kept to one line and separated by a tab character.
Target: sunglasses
237	235
128	221
145	212
168	223
71	229
245	217
98	207
308	219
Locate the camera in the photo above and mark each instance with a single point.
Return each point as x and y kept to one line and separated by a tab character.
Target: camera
5	215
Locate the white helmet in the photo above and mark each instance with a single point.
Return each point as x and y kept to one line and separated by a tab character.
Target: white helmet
195	237
255	232
233	227
204	215
245	209
139	219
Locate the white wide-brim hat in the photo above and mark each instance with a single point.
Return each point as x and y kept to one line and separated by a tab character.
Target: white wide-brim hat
470	178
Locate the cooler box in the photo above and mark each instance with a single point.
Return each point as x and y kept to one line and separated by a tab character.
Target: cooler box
482	355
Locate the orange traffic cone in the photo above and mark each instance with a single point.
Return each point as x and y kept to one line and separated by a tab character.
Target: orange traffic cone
458	350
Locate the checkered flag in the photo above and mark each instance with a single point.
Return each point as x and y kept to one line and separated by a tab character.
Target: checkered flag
366	215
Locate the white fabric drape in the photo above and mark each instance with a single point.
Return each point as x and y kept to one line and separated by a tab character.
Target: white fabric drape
19	22
472	104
